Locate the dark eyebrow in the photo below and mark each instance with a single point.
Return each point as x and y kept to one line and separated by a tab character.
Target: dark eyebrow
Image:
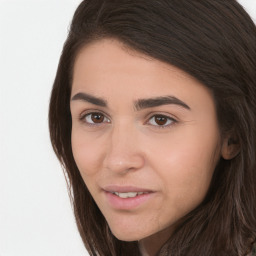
139	104
159	101
89	98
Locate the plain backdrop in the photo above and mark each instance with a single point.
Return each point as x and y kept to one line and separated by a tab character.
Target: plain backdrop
36	217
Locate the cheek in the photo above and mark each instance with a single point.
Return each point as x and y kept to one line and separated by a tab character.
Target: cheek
86	153
184	154
186	164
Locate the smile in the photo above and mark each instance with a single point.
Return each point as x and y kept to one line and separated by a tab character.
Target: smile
128	194
127	200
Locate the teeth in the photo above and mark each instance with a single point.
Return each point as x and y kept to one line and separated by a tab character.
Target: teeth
128	194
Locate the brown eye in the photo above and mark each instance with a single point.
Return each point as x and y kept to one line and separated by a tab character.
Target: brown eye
96	118
161	120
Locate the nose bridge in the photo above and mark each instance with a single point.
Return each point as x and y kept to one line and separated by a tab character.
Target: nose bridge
123	151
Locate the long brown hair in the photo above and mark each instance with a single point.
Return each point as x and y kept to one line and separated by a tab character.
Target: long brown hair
214	41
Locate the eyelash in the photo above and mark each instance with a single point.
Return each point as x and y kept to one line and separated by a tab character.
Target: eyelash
83	117
171	121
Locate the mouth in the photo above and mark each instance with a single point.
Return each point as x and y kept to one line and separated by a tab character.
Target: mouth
128	194
127	198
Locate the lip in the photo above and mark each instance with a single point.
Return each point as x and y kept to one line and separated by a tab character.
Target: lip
124	189
131	203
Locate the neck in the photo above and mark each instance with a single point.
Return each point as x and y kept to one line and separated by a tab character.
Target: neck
151	245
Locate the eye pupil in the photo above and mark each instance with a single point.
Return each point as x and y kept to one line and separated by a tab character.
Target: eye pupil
97	118
160	120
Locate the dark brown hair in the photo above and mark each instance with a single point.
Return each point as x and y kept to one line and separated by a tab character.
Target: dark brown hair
215	42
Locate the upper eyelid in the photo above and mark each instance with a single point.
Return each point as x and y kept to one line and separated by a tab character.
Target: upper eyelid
82	118
148	116
165	116
168	115
88	112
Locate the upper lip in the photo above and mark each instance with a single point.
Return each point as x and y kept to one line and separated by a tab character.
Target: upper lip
125	189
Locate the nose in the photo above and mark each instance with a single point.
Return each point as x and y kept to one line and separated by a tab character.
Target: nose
124	152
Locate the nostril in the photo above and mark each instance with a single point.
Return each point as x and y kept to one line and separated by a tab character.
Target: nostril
124	162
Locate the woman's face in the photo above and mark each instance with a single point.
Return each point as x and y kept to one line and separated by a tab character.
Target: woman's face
144	137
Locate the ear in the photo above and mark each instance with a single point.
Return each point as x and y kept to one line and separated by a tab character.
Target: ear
230	148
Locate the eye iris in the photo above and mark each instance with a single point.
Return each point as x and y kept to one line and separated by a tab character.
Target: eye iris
97	118
160	120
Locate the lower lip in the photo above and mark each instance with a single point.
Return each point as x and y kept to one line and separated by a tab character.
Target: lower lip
127	203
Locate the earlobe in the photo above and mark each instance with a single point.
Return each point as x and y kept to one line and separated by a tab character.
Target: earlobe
230	148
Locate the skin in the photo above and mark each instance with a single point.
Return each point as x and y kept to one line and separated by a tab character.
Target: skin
174	158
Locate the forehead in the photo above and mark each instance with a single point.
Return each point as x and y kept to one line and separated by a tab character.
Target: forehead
102	55
108	68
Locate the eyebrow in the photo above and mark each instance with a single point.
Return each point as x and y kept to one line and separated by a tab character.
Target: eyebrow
159	101
89	98
138	104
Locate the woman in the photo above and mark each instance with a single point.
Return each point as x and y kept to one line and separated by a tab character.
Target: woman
152	116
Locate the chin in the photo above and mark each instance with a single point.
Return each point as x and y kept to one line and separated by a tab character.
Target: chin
127	234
